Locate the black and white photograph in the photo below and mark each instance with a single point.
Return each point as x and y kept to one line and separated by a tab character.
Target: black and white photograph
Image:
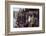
25	17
